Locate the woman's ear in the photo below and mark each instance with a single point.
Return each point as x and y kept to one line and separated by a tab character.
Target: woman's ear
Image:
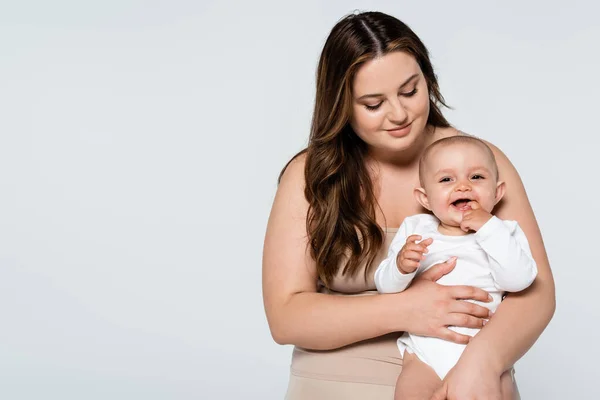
500	190
421	197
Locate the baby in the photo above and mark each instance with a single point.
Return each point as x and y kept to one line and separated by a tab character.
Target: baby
460	186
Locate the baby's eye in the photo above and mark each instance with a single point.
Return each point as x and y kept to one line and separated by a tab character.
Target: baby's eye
477	177
446	179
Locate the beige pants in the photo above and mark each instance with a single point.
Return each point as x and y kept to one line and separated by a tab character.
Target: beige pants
301	388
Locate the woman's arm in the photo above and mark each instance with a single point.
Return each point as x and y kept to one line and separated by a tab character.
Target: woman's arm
296	313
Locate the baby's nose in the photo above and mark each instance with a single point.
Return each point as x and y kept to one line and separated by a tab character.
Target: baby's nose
463	186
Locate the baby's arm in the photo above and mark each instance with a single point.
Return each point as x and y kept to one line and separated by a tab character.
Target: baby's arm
513	267
395	273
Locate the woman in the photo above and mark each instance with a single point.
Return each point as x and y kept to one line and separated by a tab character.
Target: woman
336	210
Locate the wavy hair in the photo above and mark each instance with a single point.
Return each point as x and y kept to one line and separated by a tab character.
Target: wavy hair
341	225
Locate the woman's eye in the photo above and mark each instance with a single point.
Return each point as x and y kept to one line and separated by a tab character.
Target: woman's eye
410	94
373	107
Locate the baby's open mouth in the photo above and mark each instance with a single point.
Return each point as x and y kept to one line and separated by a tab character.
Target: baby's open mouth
462	204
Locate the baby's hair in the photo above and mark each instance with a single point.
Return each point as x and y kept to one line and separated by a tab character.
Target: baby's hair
453	140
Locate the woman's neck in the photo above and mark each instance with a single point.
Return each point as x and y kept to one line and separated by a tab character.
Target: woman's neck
405	160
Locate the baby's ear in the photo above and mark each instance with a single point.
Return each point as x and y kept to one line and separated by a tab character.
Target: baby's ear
500	190
421	197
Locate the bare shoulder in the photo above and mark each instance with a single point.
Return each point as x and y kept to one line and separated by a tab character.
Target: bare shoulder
294	172
290	204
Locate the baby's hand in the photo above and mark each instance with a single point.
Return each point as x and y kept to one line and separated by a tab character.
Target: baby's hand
412	253
474	218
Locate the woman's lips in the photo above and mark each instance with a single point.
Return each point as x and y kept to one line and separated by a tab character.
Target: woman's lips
400	132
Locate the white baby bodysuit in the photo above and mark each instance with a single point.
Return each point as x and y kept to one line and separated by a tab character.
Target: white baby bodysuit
496	259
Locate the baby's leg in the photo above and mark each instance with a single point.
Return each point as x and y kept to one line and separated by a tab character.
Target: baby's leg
417	381
508	386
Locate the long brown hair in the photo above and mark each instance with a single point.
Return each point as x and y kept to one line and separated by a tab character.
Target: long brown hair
341	223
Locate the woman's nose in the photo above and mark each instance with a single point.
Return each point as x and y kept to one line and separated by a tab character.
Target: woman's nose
397	113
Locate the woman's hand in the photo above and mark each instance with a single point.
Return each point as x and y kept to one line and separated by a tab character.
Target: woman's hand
471	380
434	307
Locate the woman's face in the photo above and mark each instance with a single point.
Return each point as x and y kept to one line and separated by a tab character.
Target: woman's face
390	102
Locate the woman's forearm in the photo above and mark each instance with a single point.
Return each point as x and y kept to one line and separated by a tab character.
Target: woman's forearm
323	322
519	321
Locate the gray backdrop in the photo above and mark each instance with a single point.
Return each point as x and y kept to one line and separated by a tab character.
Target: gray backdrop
140	143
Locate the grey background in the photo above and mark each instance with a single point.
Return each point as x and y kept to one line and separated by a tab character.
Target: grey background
140	142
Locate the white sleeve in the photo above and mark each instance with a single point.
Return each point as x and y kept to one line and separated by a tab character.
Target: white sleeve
513	267
388	278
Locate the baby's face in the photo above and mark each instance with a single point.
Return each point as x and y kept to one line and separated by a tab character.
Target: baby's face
455	175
